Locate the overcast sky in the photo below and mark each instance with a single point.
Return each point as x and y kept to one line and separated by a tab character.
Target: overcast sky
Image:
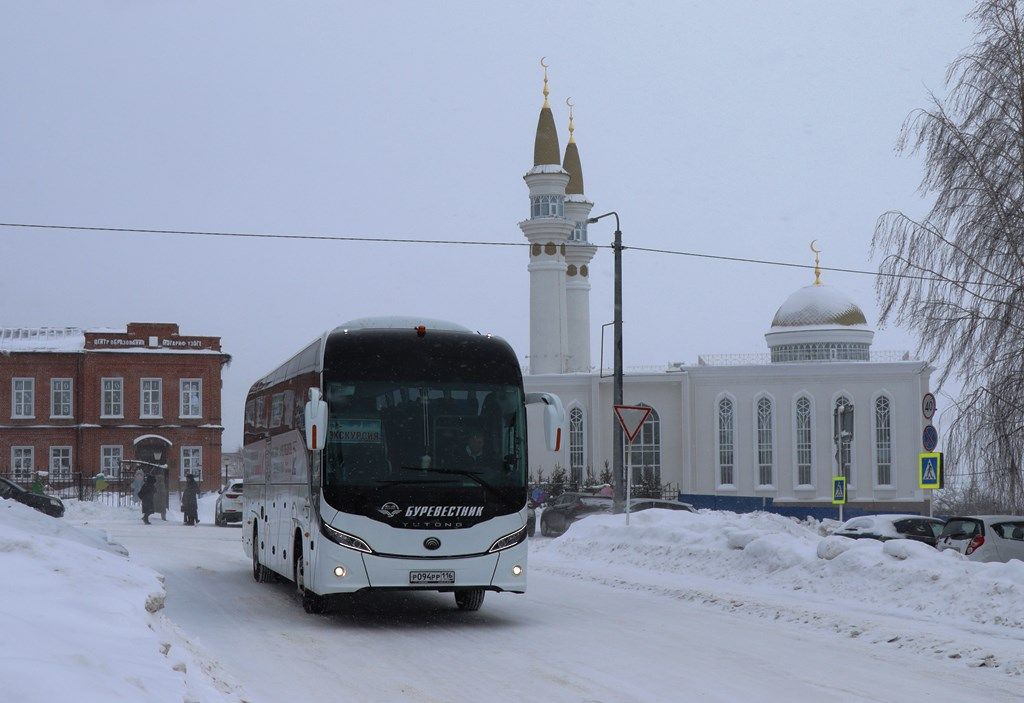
736	128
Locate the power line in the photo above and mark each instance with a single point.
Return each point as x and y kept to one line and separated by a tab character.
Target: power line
463	242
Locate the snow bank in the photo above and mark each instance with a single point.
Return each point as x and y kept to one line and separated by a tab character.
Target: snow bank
83	622
768	553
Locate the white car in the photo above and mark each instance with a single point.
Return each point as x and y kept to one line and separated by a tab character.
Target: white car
985	537
229	504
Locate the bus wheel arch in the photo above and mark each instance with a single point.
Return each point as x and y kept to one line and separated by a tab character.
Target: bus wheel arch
312	603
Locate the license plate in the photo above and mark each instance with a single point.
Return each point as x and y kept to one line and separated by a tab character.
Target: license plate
431	577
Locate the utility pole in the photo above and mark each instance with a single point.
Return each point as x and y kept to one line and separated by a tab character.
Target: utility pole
617	477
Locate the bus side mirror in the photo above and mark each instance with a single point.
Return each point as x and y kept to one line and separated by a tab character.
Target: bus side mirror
554	418
316	421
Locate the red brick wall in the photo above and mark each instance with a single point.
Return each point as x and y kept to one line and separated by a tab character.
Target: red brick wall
86	432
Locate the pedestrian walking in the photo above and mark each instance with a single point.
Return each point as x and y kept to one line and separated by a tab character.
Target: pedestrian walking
146	496
160	499
189	502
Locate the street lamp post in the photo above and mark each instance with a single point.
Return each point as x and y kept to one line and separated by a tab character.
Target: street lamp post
617	382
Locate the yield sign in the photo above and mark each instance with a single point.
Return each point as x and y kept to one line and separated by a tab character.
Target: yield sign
631	418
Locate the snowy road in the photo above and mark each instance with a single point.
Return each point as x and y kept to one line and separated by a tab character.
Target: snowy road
567	639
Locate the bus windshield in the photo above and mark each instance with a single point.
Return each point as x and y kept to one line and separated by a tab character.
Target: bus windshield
404	433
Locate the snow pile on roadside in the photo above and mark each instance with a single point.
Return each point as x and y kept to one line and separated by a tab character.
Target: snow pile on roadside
81	621
766	552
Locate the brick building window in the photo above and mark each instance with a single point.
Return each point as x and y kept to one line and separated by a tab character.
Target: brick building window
60	397
150	397
60	463
22	463
191	398
192	462
23	397
110	460
113	397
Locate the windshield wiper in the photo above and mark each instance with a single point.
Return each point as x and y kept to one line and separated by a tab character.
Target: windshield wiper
472	475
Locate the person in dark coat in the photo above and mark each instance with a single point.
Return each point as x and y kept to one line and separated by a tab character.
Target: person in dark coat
146	496
189	504
160	500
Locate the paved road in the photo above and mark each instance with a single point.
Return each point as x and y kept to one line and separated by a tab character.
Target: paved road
565	640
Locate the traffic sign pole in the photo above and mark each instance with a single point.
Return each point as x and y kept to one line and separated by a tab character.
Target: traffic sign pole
629	478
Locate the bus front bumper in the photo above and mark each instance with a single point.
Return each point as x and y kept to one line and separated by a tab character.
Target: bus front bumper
491	571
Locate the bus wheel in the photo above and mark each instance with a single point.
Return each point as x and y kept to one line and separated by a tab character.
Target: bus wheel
312	603
259	572
469	598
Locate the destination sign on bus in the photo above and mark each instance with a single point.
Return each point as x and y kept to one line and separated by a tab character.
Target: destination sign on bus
346	430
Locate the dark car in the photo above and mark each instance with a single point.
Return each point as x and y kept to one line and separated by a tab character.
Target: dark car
886	527
638	504
43	503
568	508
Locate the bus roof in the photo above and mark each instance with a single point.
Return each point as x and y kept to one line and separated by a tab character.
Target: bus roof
392	322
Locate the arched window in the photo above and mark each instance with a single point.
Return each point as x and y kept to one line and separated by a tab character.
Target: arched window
883	440
726	442
645	452
804	447
765	456
576	446
844	408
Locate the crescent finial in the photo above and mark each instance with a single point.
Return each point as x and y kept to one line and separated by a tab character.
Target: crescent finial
568	101
817	263
545	80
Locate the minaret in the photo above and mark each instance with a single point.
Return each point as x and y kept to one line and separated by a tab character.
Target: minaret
578	254
547	231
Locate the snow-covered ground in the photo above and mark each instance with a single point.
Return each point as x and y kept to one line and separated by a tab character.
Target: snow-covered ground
82	622
679	606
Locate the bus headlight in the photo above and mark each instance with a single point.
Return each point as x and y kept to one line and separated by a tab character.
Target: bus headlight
344	538
509	540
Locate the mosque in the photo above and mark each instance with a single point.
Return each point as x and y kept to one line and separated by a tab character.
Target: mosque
727	429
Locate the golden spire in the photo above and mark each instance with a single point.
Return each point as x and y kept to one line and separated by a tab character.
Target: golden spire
572	139
817	263
545	80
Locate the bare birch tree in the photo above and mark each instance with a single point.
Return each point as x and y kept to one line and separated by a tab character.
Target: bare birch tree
956	276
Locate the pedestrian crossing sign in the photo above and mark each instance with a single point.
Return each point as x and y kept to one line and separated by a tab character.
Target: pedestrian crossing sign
929	474
839	490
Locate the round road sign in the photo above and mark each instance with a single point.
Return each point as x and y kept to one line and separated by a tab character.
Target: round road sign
928	406
930	438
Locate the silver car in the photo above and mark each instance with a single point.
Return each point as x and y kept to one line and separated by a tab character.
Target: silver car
985	537
229	504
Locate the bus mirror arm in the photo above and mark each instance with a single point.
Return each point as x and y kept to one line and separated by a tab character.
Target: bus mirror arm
554	417
316	421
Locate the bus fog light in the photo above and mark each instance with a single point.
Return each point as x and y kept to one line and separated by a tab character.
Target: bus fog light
517	570
340	572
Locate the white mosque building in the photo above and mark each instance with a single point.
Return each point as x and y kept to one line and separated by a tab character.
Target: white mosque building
726	429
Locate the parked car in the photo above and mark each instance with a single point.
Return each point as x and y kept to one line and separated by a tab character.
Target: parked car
886	527
568	508
229	504
43	503
638	504
985	537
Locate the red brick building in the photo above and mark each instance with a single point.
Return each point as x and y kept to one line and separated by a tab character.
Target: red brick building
81	401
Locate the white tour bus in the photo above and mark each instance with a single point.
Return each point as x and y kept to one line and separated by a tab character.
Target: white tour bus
391	454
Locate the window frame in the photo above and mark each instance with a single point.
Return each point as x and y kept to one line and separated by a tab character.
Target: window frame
120	398
70	398
182	399
187	455
104	459
797	483
577	443
764	397
60	472
875	444
719	485
630	449
143	402
18	398
22	473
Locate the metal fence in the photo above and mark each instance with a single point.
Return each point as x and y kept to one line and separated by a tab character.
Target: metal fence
110	490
